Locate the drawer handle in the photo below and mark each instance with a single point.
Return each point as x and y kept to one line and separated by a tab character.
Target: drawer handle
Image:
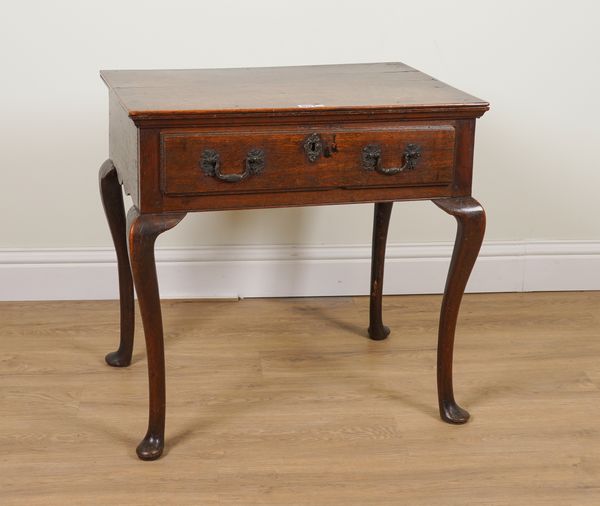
371	159
211	165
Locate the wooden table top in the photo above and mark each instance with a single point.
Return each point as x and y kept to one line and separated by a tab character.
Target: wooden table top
147	94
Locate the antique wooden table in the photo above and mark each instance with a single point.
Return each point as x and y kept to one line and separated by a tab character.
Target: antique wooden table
202	140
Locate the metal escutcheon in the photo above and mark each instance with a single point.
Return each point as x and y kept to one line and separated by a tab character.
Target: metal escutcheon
313	147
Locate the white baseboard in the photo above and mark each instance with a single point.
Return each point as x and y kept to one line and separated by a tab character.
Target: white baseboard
284	271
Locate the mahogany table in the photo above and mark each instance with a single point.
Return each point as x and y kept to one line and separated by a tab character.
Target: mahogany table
203	140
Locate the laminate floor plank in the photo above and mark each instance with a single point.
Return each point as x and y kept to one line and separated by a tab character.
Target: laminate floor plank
286	402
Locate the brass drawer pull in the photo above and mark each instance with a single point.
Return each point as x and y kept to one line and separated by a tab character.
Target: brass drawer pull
371	159
211	165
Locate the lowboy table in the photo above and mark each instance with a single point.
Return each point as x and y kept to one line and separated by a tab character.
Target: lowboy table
203	140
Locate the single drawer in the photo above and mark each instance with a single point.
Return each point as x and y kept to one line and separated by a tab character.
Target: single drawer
196	163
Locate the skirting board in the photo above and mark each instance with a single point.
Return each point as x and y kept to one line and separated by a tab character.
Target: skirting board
291	271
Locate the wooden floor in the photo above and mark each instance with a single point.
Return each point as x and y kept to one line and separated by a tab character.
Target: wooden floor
286	402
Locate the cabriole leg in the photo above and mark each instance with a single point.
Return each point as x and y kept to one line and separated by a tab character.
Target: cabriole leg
112	201
143	231
470	218
381	220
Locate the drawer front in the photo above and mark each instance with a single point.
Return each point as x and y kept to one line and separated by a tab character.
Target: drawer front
196	163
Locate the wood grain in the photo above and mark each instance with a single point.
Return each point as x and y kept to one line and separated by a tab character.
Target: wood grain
381	221
304	409
162	120
123	146
164	94
111	195
286	164
142	233
470	220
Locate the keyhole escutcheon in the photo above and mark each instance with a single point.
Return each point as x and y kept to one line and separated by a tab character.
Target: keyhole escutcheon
313	147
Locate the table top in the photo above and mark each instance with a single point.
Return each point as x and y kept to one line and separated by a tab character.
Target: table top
378	86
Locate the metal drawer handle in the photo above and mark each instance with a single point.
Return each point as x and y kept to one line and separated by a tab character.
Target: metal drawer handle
371	159
211	165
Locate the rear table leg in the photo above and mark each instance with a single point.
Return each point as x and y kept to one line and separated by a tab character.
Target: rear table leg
381	221
112	201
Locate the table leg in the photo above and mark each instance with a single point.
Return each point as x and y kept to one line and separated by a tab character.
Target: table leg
470	218
381	221
112	200
143	231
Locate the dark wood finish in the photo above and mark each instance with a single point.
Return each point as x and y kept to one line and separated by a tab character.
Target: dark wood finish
470	218
381	221
288	168
424	182
147	187
295	198
463	170
112	201
169	94
199	140
222	101
143	231
123	146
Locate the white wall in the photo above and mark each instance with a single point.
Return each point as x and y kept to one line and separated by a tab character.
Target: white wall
537	151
